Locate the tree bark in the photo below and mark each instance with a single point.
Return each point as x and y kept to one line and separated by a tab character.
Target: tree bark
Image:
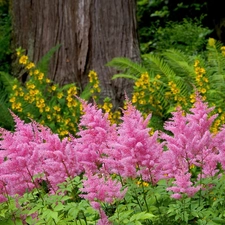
91	33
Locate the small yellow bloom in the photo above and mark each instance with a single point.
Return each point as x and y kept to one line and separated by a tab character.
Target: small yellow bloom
30	66
56	108
40	76
23	60
192	166
12	99
47	109
53	87
211	42
47	81
60	95
36	72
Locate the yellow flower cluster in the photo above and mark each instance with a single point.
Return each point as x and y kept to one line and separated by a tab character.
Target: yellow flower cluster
142	183
94	81
70	98
201	81
175	94
220	120
145	93
107	106
46	100
113	116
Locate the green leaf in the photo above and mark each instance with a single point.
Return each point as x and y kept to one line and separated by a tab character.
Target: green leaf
45	60
121	75
59	207
218	221
126	64
141	216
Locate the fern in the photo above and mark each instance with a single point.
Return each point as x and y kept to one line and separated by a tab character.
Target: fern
128	66
6	120
180	62
7	80
121	75
159	66
43	63
216	66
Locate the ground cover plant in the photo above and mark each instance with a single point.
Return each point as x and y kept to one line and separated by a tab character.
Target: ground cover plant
115	174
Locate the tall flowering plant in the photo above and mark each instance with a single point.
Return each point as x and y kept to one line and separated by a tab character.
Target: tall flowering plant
191	146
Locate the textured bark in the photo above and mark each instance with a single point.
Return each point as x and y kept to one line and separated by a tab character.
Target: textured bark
91	33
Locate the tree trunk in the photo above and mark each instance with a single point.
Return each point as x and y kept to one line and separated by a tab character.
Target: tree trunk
91	33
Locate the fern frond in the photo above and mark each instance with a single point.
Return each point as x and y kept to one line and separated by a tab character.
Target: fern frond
122	75
6	120
216	66
44	61
181	63
159	66
7	80
126	65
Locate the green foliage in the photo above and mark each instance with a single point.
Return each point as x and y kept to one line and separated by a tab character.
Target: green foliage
38	207
159	24
6	120
188	36
165	80
43	63
162	82
143	204
5	36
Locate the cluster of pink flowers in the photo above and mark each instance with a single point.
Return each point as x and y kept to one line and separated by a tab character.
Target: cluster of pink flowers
101	149
190	145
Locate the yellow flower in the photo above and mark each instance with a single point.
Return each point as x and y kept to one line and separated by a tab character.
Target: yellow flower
196	63
69	98
14	87
211	42
203	90
53	87
47	81
47	109
23	59
57	108
12	99
40	76
30	66
60	95
36	72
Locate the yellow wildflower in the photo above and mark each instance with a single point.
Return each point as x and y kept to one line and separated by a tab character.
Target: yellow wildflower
211	42
30	66
23	60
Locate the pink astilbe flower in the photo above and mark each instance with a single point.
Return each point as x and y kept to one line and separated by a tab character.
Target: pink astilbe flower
103	219
191	145
183	186
95	134
101	188
135	153
32	149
